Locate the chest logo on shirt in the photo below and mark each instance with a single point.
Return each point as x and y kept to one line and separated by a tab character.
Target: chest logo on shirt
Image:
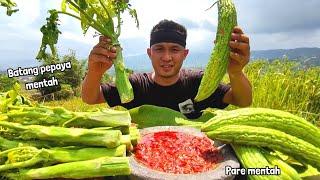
186	107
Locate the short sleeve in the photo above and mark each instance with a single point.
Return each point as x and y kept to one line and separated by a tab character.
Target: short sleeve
218	96
112	97
110	94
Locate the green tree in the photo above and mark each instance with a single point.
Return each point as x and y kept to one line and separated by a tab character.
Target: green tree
6	83
69	80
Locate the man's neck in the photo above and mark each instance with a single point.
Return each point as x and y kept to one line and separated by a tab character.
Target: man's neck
165	81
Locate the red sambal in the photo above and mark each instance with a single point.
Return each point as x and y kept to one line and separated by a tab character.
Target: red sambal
177	152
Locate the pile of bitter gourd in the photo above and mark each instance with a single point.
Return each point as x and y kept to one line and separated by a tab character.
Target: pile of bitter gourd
269	136
258	135
39	142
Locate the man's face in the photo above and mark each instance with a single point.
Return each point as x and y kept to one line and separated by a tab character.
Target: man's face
167	58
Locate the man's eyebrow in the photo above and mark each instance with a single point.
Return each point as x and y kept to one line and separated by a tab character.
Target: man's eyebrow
158	46
176	46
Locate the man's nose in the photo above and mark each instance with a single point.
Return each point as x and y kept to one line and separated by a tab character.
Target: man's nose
167	56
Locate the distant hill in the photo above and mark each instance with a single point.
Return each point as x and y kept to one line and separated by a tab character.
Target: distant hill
141	63
310	56
307	56
297	53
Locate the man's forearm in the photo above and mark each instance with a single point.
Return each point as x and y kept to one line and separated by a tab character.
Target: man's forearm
241	89
91	87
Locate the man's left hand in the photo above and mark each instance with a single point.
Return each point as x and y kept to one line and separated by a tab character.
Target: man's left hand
239	51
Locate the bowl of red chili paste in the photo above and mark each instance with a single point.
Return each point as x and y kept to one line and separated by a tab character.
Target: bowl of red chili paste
173	152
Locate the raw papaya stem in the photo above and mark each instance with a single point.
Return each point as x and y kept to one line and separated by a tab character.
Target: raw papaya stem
105	166
122	81
28	163
94	23
108	138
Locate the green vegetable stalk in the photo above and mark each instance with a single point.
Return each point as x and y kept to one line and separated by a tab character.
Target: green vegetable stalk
7	144
29	156
105	17
22	157
104	166
134	135
71	136
10	142
59	116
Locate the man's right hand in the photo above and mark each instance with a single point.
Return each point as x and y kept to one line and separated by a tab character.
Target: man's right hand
101	56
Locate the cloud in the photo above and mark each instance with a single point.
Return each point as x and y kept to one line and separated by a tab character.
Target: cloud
289	40
200	40
203	24
79	38
269	24
191	13
31	8
274	16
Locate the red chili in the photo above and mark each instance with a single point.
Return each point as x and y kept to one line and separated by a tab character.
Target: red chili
177	152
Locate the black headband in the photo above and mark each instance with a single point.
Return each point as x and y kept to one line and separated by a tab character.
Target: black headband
168	36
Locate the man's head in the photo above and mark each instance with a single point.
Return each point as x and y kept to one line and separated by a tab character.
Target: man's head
168	31
167	48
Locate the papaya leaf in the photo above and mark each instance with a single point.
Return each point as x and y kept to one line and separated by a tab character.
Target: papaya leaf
50	36
63	6
10	5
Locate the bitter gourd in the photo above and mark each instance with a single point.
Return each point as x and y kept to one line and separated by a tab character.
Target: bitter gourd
269	118
217	65
271	138
251	157
285	168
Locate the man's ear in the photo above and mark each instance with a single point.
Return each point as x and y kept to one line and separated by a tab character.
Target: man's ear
186	52
149	52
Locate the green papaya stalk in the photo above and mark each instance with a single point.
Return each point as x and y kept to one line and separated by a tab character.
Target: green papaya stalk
105	18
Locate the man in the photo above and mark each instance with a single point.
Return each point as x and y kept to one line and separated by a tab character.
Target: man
169	85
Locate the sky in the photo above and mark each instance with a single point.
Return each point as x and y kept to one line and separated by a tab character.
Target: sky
272	24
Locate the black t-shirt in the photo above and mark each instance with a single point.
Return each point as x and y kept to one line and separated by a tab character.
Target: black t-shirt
179	96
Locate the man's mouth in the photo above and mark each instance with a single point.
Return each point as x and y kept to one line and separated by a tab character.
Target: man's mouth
166	67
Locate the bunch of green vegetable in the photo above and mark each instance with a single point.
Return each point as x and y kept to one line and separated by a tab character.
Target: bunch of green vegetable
262	158
271	130
40	142
10	5
59	116
99	167
105	18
